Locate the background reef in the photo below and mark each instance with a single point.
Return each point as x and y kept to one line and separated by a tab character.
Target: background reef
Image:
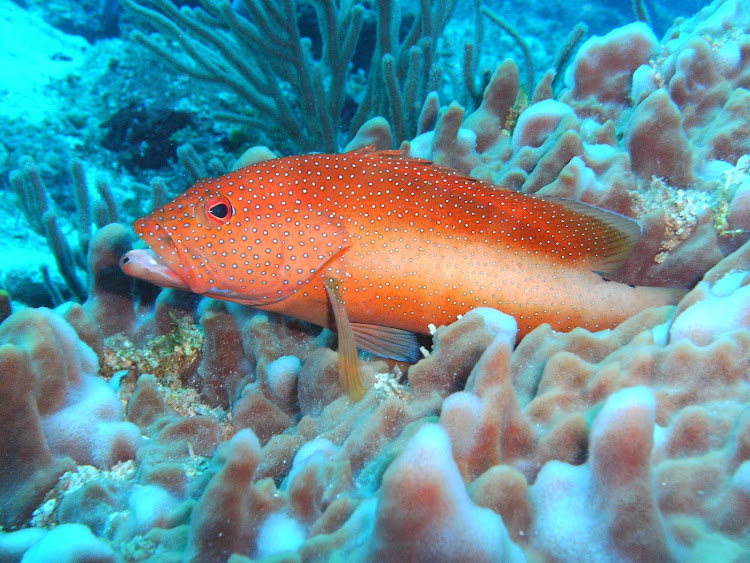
154	425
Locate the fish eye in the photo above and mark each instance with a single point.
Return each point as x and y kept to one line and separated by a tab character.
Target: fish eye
219	210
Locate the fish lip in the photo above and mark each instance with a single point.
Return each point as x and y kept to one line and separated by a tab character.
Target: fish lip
147	265
172	257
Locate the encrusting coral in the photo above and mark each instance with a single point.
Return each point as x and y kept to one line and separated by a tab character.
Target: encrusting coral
624	444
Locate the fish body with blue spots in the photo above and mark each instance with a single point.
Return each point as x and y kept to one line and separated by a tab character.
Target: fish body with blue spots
392	243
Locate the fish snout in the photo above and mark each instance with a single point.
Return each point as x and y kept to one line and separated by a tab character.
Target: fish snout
145	264
149	229
172	261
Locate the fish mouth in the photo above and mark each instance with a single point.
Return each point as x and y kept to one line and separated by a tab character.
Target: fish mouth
147	265
168	262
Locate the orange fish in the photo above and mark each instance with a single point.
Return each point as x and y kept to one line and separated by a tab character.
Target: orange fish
380	246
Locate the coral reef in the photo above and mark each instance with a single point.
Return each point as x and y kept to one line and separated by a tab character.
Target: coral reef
175	428
485	449
640	127
58	410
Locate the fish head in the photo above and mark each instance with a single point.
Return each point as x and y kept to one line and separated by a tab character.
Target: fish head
179	235
237	241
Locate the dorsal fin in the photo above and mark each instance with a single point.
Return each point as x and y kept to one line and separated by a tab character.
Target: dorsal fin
607	237
415	162
579	233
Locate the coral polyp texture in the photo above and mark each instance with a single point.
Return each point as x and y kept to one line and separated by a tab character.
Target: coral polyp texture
182	428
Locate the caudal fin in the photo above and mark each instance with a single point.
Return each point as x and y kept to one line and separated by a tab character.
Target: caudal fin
660	296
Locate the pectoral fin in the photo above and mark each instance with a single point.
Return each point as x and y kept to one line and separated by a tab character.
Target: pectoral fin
349	374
